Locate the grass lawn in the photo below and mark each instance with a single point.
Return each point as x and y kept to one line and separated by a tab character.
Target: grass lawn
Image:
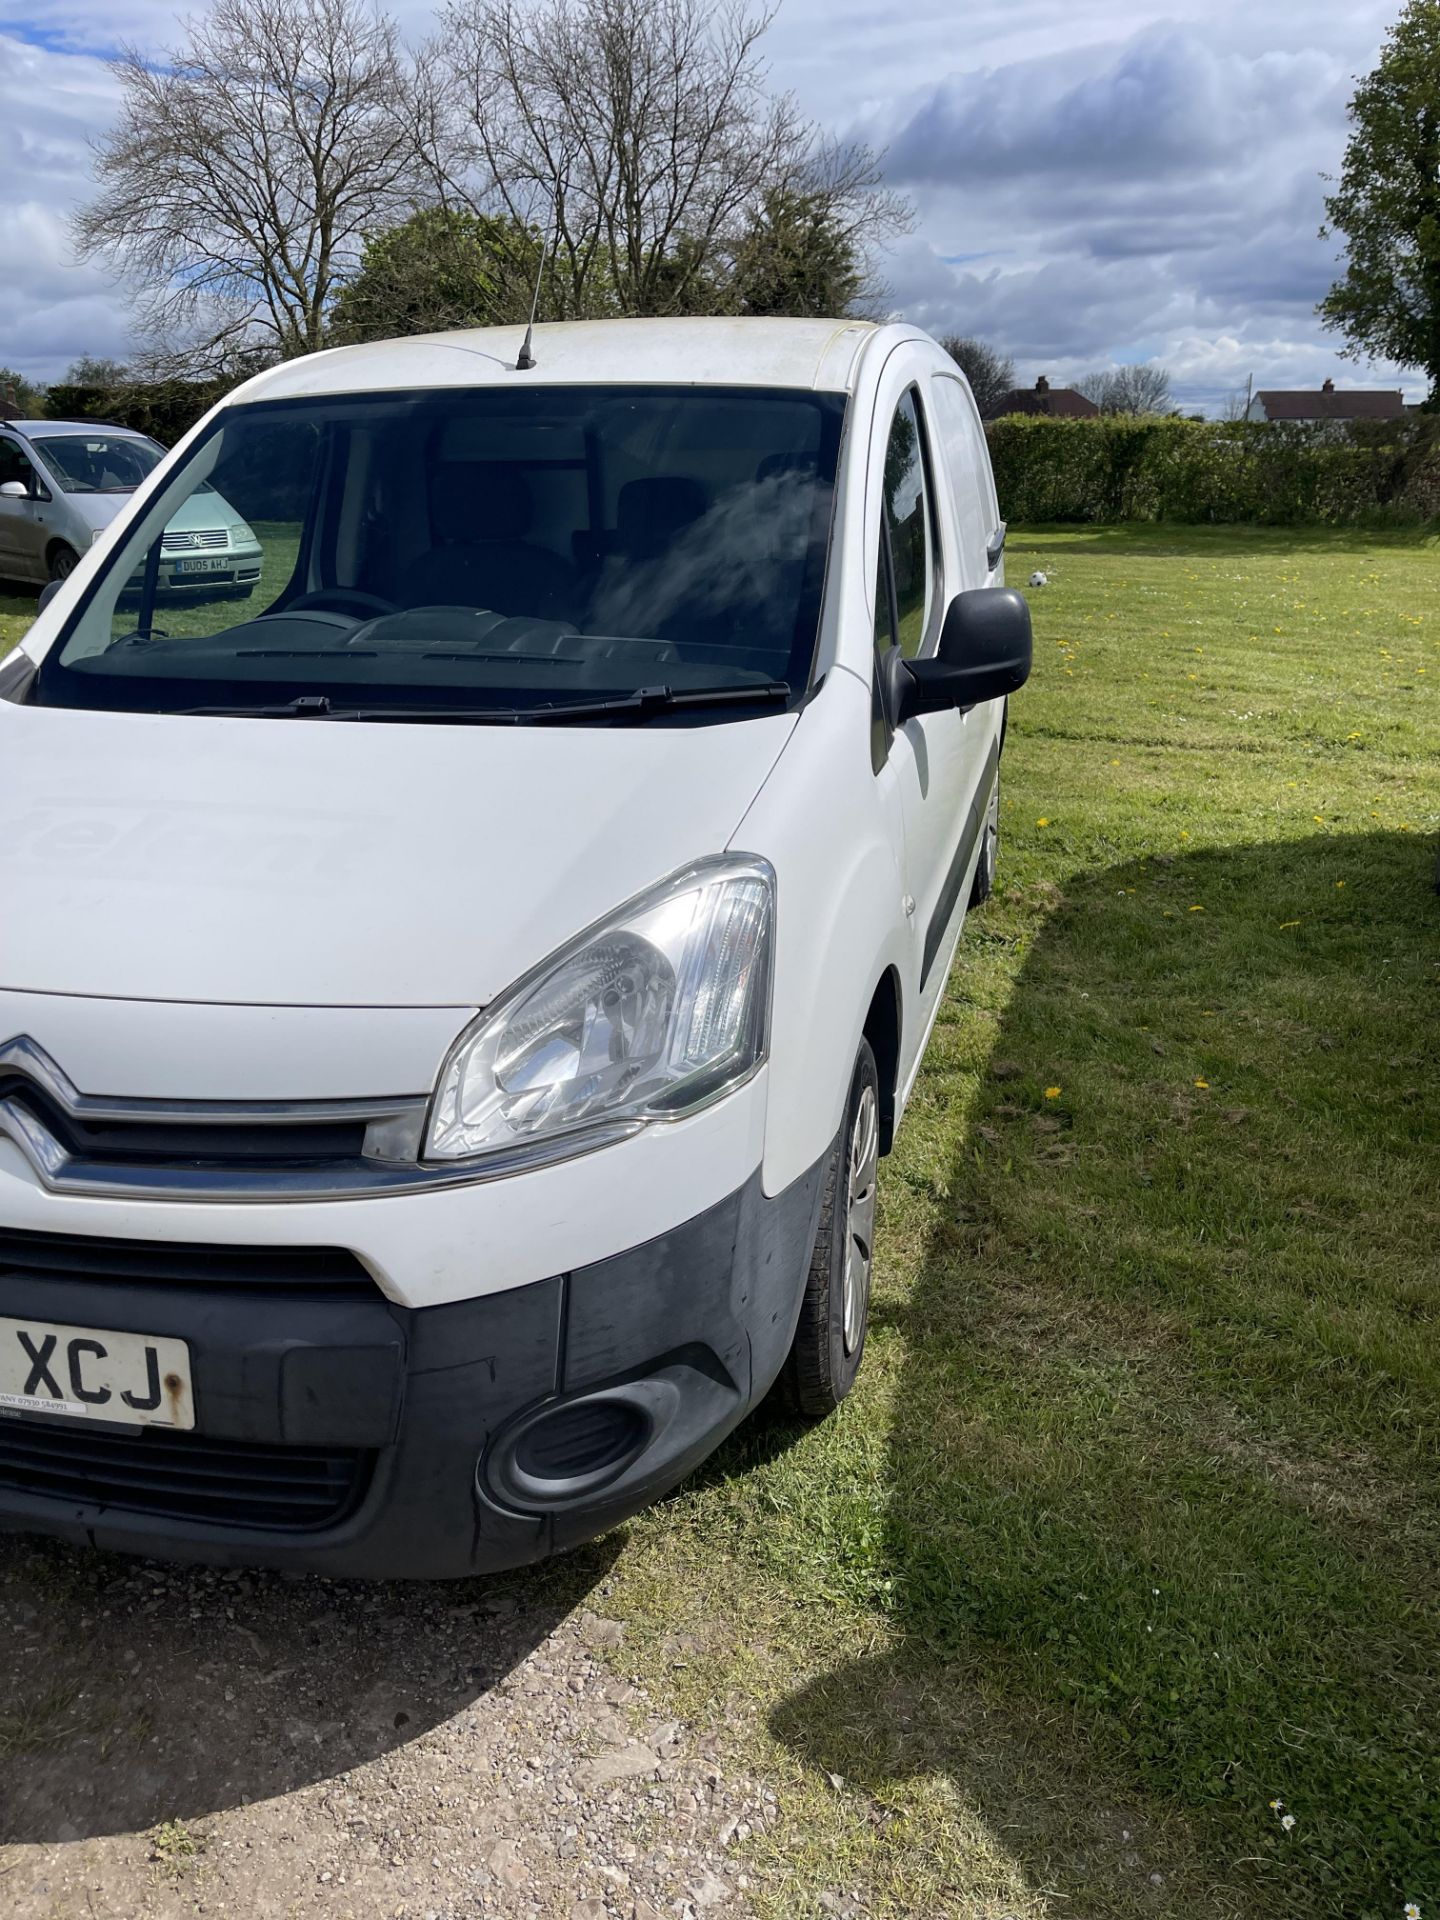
180	614
17	610
1132	1526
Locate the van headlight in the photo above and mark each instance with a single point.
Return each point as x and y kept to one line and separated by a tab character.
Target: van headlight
647	1016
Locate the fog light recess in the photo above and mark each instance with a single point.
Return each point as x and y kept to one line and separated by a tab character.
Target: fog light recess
562	1453
577	1442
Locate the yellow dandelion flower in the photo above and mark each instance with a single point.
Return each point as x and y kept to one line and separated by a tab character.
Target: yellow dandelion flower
1318	818
1052	1093
1042	821
1204	1084
1201	909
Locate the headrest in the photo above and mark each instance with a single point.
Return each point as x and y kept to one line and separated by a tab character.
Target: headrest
775	464
472	501
650	513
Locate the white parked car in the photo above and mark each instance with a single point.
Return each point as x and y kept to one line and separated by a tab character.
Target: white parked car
450	1016
63	481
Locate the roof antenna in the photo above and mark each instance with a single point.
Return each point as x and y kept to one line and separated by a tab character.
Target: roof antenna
526	360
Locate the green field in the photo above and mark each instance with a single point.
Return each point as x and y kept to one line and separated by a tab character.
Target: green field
1132	1526
188	613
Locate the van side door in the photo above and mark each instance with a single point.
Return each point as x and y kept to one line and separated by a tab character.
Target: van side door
22	533
934	758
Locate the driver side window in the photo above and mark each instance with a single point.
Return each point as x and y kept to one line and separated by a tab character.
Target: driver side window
908	532
14	465
907	586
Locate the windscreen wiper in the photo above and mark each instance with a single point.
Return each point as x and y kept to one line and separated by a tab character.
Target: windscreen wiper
308	706
646	701
642	704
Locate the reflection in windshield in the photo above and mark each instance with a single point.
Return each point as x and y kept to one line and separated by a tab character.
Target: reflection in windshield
93	463
503	547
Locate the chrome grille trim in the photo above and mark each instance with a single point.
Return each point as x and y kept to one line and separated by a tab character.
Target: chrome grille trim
389	1162
205	540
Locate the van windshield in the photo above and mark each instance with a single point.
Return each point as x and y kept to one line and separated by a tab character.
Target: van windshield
481	553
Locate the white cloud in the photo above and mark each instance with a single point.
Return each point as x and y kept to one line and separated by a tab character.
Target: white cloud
1097	180
51	308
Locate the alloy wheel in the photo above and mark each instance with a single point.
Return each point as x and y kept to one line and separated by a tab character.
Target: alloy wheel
863	1159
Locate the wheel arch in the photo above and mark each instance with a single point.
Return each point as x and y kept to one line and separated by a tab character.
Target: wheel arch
882	1029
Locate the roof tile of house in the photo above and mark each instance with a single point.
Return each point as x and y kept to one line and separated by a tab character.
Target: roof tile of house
1060	402
1331	403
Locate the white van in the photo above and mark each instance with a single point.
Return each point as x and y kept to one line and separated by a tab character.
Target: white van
451	1005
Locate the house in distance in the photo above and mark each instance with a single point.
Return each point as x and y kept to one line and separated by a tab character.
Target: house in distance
1062	403
1327	403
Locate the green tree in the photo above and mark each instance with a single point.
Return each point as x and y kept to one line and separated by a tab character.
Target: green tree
28	397
92	371
1386	203
796	258
438	269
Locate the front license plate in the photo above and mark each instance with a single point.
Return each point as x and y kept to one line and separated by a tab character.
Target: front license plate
138	1378
210	563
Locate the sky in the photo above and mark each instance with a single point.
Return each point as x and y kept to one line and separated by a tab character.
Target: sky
1095	183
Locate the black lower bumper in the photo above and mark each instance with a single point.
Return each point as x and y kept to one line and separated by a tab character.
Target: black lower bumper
350	1436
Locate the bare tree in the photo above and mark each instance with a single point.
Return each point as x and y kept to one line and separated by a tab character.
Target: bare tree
245	168
991	373
642	134
1236	405
1128	389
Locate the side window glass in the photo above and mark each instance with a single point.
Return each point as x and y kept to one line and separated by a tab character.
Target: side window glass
908	520
962	438
884	623
13	464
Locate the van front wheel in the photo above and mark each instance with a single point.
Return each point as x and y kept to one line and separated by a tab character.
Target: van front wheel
835	1312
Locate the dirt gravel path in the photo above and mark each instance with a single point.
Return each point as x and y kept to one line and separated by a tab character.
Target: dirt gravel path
181	1740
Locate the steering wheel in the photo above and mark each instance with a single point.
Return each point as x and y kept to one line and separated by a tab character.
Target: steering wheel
342	600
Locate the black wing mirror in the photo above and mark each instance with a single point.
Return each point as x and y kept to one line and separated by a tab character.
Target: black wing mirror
48	593
984	653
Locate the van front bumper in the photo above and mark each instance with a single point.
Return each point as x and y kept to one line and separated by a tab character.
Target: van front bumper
340	1432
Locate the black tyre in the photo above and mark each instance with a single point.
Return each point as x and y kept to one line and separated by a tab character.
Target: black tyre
984	883
835	1313
63	561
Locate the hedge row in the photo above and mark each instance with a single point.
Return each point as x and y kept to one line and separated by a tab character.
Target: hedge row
164	409
1107	469
1112	469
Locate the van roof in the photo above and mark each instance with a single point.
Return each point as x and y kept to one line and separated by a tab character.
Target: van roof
687	352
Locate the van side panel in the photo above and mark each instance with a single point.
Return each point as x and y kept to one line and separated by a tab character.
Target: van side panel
828	826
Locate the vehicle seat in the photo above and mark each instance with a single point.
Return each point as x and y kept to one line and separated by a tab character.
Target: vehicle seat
479	517
651	514
639	592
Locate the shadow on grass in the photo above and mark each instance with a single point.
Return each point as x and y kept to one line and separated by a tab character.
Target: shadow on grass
1160	1520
